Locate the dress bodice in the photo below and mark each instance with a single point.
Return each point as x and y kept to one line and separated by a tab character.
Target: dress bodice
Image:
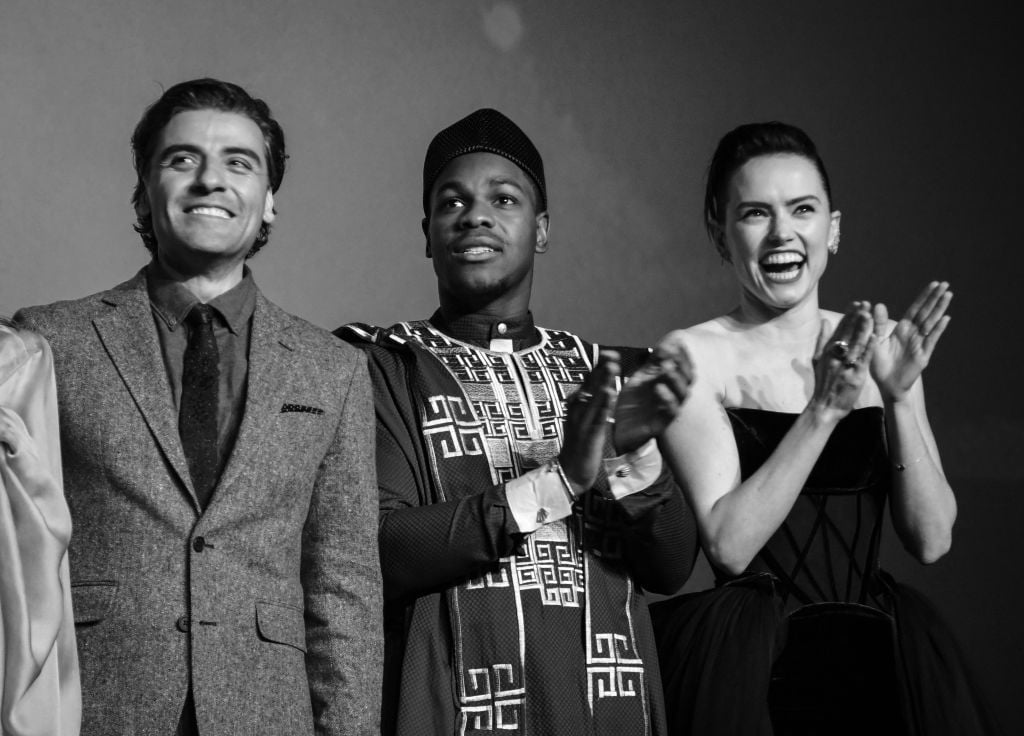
827	548
849	650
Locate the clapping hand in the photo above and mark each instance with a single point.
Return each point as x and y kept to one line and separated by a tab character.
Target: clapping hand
841	360
652	396
901	354
586	423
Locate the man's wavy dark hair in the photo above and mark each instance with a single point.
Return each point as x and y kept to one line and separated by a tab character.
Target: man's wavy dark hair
203	94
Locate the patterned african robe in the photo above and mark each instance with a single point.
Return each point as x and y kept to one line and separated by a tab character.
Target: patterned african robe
543	633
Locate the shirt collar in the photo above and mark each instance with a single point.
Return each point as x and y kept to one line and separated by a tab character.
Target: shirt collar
172	301
479	329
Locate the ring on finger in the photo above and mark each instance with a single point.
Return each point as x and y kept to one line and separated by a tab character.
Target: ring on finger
839	349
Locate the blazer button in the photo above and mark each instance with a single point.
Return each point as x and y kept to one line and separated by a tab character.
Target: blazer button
199	544
183	624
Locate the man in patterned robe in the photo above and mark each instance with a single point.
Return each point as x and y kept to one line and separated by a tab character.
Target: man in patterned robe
515	556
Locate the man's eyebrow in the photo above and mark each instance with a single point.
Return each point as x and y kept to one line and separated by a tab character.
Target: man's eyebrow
507	180
456	185
190	148
243	151
450	184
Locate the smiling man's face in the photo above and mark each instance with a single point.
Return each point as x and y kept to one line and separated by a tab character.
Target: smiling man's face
207	189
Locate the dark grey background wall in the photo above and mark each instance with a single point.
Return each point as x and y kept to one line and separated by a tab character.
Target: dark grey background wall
915	107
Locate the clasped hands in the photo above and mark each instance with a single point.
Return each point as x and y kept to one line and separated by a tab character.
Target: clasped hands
863	344
647	403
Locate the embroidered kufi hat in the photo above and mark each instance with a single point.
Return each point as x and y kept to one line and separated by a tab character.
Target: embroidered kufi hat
489	131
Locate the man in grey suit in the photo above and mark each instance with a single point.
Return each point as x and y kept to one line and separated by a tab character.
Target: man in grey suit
218	460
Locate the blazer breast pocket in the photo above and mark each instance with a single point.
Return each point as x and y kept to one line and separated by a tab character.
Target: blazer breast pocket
301	409
301	429
281	624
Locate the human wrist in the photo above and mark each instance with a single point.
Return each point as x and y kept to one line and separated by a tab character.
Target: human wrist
634	471
554	465
565	468
900	410
823	414
895	398
538	497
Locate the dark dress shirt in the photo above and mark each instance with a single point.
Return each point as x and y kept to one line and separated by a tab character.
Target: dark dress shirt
232	328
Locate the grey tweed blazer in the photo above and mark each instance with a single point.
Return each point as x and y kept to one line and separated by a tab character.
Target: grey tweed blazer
268	601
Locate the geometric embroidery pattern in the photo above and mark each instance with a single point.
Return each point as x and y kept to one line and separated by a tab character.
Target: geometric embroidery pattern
514	417
493	700
552	568
614	668
517	400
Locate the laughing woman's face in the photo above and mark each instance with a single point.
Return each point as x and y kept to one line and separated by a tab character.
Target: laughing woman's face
777	227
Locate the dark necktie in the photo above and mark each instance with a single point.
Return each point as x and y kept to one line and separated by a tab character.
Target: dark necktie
197	418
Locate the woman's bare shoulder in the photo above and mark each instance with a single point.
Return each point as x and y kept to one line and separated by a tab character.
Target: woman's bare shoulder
711	347
712	332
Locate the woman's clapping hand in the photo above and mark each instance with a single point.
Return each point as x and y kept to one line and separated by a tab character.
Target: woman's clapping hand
903	352
841	360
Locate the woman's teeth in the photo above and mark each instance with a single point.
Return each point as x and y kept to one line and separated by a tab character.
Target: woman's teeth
782	266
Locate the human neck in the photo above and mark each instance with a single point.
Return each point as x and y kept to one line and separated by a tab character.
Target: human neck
797	323
205	283
505	306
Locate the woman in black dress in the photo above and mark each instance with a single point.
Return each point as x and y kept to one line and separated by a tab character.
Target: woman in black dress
802	424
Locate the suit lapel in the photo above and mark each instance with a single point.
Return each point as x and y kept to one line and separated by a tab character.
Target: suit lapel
130	338
270	356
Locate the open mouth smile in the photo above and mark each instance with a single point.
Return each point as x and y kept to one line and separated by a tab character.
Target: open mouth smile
782	267
209	211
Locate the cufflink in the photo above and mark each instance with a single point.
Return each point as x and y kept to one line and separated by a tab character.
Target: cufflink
623	470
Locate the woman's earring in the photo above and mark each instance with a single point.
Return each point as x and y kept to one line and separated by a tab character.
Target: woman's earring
833	241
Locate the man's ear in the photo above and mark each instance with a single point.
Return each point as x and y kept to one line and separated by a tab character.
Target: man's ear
142	206
268	208
543	224
425	224
718	238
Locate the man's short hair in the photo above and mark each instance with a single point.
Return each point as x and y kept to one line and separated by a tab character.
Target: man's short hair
203	94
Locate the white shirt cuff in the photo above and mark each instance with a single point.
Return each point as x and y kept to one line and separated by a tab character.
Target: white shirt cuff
634	471
538	497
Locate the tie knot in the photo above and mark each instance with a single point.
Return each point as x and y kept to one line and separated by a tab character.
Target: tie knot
200	314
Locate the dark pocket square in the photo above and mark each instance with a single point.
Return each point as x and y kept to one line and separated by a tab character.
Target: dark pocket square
302	408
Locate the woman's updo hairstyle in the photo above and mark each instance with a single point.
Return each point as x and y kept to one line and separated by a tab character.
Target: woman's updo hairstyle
744	143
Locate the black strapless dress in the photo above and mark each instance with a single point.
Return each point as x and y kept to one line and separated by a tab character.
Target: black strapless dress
814	638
